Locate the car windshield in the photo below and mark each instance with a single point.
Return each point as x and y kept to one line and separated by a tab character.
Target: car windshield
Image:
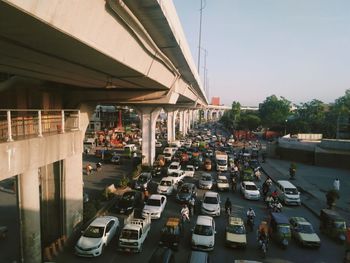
222	181
173	167
284	229
203	230
251	187
221	162
189	168
129	234
340	224
236	229
153	202
168	230
206	178
167	154
165	183
307	229
185	189
128	197
291	191
210	200
94	232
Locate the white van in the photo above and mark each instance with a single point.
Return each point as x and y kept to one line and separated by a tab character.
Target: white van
288	193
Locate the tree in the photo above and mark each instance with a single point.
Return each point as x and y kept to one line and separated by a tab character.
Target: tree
249	121
273	112
311	116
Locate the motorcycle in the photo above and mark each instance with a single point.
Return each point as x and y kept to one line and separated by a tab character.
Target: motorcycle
263	246
250	223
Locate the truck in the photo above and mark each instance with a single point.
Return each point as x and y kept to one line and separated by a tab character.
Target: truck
134	232
221	161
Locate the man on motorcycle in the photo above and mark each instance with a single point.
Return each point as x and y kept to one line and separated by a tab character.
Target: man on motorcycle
185	213
250	218
228	206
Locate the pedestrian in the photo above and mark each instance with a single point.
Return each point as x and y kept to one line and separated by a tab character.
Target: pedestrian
336	184
88	169
145	194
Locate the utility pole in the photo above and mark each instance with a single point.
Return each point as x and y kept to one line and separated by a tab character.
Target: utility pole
200	35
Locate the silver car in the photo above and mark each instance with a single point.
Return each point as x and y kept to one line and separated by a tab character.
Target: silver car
206	181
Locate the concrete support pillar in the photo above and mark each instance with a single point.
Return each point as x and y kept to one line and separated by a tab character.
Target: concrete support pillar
171	118
29	206
73	191
190	119
181	122
149	117
185	123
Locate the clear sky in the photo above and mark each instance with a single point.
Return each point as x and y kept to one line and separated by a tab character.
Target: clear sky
298	49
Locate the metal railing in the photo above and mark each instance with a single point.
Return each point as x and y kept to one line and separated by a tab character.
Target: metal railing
22	124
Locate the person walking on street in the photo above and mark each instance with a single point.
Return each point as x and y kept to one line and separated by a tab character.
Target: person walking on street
88	169
336	184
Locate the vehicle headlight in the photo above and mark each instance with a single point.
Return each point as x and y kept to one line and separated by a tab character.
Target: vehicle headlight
135	244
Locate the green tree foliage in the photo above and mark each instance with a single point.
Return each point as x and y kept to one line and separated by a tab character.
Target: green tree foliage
249	121
311	116
274	111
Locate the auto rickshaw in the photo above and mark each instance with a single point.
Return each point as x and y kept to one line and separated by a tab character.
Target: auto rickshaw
332	224
171	233
247	175
279	229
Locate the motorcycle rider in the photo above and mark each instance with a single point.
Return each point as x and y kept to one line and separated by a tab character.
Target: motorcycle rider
250	217
228	206
185	213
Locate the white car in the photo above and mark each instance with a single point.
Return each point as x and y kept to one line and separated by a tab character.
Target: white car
177	176
222	183
250	191
211	204
188	144
189	170
174	167
159	144
203	235
166	186
155	206
97	236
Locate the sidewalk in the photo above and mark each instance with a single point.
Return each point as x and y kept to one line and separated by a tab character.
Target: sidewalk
313	182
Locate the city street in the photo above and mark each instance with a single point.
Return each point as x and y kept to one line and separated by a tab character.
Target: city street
329	251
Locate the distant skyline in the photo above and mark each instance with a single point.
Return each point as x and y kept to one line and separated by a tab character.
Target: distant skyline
256	48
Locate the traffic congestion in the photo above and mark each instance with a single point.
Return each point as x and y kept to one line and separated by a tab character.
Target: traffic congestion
207	197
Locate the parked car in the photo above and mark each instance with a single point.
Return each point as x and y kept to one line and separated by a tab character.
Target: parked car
97	236
189	170
203	234
155	206
186	192
129	201
205	181
174	167
304	233
143	181
235	235
211	204
222	183
166	186
171	233
250	191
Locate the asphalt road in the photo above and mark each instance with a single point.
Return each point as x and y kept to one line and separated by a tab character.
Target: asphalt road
329	251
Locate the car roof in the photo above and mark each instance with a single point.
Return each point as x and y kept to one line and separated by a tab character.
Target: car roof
211	194
156	197
222	177
102	221
206	174
204	220
190	166
175	163
235	221
145	174
286	183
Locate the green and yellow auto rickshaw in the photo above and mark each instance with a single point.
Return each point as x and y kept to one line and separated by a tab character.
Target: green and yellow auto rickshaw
332	224
280	229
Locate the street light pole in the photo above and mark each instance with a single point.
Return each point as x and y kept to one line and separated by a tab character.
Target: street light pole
200	35
285	127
